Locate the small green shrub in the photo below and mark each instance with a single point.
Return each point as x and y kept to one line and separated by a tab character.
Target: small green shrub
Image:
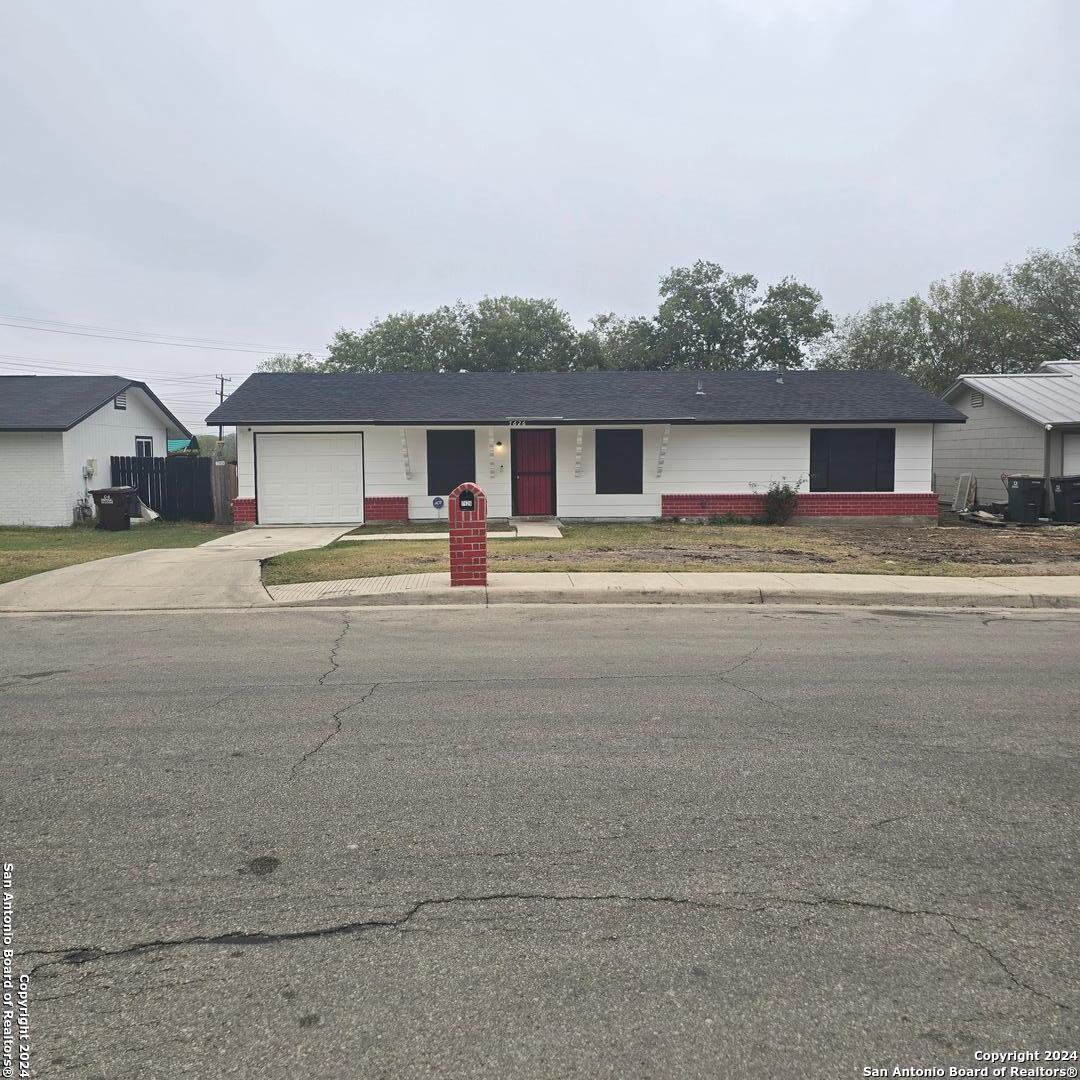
781	499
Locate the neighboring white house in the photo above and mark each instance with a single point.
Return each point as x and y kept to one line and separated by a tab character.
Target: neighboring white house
58	432
1015	424
321	448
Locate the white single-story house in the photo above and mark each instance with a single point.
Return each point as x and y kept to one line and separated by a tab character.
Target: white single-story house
1015	424
337	448
58	432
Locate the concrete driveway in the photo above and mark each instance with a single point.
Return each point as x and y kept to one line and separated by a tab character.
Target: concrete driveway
223	573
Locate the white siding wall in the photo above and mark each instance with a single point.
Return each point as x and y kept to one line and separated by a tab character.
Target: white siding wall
700	459
108	432
33	488
994	440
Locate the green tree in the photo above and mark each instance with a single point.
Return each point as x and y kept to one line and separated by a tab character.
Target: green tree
618	344
786	323
291	362
1046	286
430	341
971	323
705	319
512	333
888	336
712	320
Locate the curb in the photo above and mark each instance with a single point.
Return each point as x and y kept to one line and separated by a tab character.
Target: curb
482	596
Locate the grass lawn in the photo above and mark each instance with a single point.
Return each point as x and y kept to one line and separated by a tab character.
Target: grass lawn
856	549
25	551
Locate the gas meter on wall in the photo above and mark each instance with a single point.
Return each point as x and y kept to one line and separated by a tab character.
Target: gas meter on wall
89	468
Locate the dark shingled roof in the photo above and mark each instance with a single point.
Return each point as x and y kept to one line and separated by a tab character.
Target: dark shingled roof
736	397
59	402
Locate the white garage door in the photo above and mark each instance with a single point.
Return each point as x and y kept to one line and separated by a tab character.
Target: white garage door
315	479
1071	455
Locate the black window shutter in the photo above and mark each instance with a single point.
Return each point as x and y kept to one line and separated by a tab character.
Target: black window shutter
451	460
886	459
618	461
819	460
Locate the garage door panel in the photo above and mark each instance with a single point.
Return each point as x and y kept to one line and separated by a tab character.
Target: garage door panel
315	478
1071	462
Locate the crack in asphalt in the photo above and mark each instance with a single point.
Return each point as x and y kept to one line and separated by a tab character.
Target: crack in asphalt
92	954
334	649
722	676
1010	974
886	821
336	722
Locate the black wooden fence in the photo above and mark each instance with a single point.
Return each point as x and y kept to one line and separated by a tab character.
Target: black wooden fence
178	488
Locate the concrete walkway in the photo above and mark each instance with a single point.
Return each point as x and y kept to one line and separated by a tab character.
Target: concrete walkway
694	588
520	530
223	573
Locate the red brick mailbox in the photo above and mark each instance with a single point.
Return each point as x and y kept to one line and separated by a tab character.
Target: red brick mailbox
468	535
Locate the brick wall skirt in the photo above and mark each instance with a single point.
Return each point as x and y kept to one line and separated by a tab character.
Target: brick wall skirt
811	504
243	511
386	508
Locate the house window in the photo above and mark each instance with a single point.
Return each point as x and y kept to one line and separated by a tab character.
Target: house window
852	459
618	461
976	399
144	446
120	401
451	460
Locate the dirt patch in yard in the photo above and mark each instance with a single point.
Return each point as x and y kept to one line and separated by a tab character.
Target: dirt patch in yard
965	544
687	556
670	546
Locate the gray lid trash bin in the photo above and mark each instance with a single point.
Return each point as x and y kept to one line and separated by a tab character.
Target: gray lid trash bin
1026	494
113	507
1066	491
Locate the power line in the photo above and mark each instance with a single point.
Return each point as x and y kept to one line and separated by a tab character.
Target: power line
59	365
145	337
144	341
155	334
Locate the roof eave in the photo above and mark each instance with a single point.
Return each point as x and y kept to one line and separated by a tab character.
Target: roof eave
1011	405
227	421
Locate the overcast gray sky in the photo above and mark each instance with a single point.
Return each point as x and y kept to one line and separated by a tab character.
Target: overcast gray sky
268	171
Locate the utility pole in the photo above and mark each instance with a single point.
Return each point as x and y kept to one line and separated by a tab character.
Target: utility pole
221	400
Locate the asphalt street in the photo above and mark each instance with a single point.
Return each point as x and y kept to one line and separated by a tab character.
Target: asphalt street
541	841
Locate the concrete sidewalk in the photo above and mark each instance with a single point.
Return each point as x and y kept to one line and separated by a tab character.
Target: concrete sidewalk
519	530
223	573
693	588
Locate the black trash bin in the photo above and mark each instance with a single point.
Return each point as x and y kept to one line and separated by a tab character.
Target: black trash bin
113	507
1066	491
1026	497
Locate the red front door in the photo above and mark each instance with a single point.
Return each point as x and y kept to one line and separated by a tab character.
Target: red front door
532	461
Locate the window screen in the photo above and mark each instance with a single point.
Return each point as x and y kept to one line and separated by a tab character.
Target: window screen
451	460
852	459
618	461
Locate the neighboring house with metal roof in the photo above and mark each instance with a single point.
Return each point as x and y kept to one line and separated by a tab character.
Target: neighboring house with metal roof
1015	424
322	448
58	432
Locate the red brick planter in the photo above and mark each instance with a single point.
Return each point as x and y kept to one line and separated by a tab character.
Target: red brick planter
386	508
243	512
810	504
